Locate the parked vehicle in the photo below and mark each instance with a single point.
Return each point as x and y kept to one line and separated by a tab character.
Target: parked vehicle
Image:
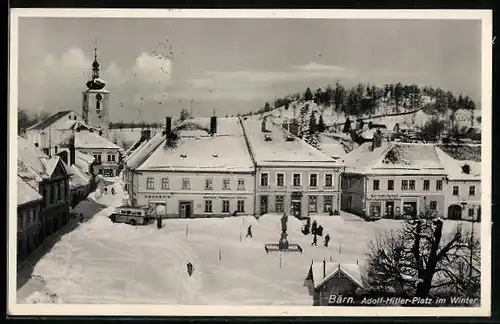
141	215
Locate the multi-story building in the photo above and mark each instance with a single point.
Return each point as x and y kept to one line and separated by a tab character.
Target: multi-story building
291	176
463	181
393	179
50	178
201	168
28	219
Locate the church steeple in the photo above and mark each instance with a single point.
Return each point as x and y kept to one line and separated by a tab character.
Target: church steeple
96	83
95	66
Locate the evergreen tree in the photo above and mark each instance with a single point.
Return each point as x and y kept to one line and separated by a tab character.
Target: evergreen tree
312	137
347	126
302	121
339	97
321	124
308	96
318	96
267	107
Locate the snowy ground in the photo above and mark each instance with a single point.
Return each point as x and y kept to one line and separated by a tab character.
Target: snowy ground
103	262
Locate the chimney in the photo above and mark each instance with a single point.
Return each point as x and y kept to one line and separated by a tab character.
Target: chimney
213	125
146	134
168	125
324	268
72	153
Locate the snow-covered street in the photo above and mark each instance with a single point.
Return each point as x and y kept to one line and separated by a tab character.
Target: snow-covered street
104	262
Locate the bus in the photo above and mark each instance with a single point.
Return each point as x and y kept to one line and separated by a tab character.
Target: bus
141	215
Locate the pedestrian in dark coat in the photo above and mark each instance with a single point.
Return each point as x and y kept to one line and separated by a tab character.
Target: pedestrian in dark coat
249	231
190	269
81	218
315	240
314	226
113	191
327	239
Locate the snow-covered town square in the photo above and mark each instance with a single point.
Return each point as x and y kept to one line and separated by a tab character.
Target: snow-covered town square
290	170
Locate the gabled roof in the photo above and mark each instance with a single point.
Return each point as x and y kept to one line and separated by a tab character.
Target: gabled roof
49	120
197	150
92	140
352	271
272	147
462	152
394	158
139	155
454	167
26	193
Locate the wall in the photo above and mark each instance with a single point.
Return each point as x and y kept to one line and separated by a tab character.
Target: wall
93	116
339	285
353	193
104	158
272	190
197	194
28	237
473	202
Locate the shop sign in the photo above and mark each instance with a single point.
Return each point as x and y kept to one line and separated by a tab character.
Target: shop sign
385	196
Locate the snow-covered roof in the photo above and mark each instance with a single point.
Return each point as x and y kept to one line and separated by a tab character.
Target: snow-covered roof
394	158
334	150
279	151
139	155
26	193
84	157
352	271
77	177
454	167
47	122
50	164
226	152
92	140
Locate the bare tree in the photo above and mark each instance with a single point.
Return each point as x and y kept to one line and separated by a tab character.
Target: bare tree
419	259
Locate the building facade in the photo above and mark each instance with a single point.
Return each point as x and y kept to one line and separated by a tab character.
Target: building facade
28	219
291	176
393	180
199	169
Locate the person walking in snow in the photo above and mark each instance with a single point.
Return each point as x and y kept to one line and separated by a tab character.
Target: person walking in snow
314	226
249	231
190	269
81	218
315	240
327	239
113	190
105	191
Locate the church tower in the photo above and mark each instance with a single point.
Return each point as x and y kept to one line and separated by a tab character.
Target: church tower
96	103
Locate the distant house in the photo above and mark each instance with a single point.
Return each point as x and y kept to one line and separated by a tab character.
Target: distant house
52	130
466	118
326	279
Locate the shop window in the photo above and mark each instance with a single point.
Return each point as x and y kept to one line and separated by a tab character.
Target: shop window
375	209
313	204
327	204
279	204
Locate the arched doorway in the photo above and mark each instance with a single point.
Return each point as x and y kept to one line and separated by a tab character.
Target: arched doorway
455	212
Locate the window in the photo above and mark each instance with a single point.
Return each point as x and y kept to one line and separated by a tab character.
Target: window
427	185
226	184
164	183
98	157
376	184
208	206
390	185
279	204
313	204
264	180
313	180
439	185
185	184
296	179
225	206
456	191
412	184
241	184
327	205
433	205
280	180
404	184
55	149
472	190
471	212
150	183
328	180
111	158
209	184
241	206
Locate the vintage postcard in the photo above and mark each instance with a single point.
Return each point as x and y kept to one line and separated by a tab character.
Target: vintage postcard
250	162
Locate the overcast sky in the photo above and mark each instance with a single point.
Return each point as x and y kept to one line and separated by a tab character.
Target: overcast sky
235	65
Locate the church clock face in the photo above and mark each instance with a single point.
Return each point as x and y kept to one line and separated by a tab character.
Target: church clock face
98	97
